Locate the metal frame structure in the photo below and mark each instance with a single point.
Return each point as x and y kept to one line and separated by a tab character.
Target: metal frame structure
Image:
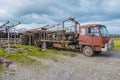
56	35
6	34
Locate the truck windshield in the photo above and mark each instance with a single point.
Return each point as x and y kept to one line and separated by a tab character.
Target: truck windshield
104	31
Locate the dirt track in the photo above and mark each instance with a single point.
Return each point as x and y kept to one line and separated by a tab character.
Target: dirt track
105	66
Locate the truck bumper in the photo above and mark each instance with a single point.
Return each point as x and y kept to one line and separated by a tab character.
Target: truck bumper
108	46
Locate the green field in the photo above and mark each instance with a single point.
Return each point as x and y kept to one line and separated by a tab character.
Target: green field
116	43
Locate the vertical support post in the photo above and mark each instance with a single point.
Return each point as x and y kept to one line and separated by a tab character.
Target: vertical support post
1	35
63	32
29	39
21	39
43	44
8	40
44	35
75	32
14	37
54	33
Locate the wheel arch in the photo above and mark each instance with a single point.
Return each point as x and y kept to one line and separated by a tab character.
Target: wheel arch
82	47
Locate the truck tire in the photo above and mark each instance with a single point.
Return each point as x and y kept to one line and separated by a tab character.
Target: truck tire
88	51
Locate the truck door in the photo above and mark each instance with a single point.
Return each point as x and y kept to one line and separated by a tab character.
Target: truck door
84	38
94	35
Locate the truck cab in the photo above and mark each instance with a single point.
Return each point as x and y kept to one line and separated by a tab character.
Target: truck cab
94	38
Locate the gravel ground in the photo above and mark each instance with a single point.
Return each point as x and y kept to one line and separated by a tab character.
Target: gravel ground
105	66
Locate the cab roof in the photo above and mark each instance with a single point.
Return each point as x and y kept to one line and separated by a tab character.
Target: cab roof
89	25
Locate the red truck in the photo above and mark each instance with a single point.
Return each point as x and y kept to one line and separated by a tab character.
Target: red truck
94	38
90	39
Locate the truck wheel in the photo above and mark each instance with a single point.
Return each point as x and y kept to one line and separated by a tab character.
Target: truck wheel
88	51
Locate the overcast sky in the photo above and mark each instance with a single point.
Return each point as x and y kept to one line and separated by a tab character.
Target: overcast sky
34	13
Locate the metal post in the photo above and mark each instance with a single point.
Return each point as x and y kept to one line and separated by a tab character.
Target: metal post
63	33
14	37
8	41
75	31
1	36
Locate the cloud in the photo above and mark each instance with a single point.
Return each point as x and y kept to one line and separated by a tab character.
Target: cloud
54	11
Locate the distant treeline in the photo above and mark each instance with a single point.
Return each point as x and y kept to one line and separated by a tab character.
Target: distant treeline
115	36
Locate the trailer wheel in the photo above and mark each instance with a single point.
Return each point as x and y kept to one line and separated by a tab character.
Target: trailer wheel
88	51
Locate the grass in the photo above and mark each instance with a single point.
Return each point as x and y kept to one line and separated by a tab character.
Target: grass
15	57
21	55
1	68
35	51
55	51
116	43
